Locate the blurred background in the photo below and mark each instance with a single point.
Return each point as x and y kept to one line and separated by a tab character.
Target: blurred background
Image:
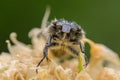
99	18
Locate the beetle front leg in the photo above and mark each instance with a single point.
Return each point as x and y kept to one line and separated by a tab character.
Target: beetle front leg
82	58
45	52
82	47
45	55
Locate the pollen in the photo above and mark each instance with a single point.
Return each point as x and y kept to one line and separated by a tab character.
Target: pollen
21	60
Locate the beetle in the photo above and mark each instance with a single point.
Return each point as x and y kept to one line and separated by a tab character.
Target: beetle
64	34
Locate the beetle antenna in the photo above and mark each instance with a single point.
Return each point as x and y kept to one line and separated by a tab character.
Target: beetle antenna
39	64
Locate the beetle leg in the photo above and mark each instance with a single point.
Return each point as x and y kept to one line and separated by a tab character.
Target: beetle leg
86	60
45	52
82	47
83	51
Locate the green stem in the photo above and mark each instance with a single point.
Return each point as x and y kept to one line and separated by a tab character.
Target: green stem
80	66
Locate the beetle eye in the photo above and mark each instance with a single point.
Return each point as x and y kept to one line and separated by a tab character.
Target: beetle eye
54	27
59	27
78	30
77	34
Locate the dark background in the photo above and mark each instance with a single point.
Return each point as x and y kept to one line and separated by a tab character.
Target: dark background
99	18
